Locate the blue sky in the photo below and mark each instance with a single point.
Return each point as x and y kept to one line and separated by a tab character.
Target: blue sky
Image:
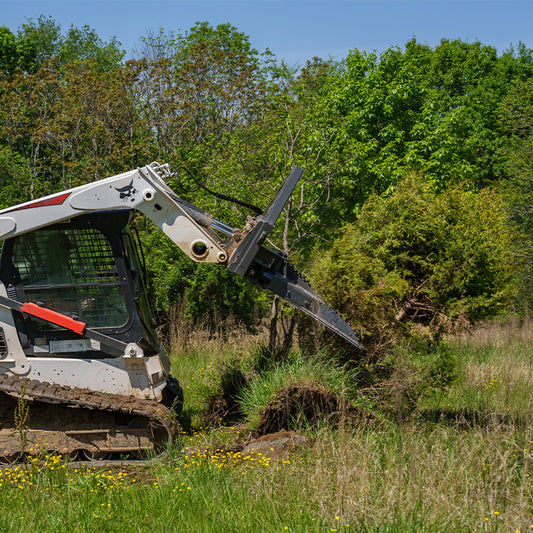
296	30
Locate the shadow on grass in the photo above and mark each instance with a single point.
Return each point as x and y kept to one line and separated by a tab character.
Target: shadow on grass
473	418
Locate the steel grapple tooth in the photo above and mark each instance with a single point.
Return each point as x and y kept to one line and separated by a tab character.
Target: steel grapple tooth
301	294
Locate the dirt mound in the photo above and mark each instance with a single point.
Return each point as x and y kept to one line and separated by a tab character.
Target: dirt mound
297	406
275	444
222	410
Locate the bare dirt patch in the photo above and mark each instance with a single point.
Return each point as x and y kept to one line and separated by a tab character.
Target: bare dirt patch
276	444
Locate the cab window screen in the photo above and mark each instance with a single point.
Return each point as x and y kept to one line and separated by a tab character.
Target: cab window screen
72	271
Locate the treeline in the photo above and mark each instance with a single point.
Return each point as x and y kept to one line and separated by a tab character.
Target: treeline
414	213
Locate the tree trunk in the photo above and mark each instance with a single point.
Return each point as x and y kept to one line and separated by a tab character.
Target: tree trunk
288	335
273	325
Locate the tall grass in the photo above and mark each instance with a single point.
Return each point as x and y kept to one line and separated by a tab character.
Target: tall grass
495	375
392	478
451	472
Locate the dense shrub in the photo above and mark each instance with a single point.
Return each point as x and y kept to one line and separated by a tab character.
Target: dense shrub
417	264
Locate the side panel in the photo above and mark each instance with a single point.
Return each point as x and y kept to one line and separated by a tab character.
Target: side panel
142	377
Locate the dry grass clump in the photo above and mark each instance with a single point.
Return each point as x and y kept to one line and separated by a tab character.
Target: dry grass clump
411	478
496	371
183	335
497	335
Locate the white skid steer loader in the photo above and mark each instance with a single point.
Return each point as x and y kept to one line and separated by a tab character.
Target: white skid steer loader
77	340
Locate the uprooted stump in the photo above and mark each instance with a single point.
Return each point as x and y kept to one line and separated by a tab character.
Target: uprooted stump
298	406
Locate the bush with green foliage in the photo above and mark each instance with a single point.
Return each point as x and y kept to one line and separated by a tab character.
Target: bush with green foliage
417	264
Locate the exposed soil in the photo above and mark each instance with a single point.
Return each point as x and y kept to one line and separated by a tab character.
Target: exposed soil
294	407
275	444
224	408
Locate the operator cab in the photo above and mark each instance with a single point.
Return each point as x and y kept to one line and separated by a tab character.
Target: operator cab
89	268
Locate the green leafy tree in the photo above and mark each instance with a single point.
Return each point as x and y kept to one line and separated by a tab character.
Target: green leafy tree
432	110
294	129
26	103
65	106
45	33
83	45
195	91
77	44
15	179
16	52
197	88
94	129
74	126
516	121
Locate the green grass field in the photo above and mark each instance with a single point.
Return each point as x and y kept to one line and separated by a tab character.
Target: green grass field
461	461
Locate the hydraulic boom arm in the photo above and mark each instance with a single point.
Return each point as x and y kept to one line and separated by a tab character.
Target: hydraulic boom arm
192	229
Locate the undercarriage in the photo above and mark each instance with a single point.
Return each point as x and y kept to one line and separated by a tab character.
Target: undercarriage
38	417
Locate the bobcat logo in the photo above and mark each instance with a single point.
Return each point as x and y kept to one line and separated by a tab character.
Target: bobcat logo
127	192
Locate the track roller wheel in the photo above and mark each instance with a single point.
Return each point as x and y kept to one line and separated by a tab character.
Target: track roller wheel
10	459
94	455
